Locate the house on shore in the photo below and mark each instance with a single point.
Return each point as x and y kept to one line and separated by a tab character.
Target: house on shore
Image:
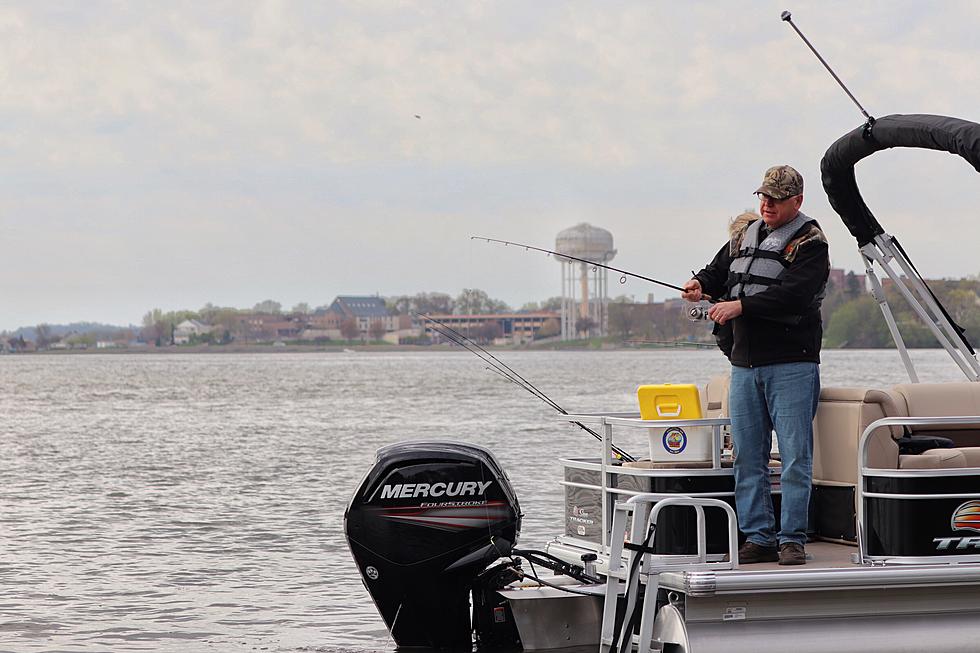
188	329
498	328
368	311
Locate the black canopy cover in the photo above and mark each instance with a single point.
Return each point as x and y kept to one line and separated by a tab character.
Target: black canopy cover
914	130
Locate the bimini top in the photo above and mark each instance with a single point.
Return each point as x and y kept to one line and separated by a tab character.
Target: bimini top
914	130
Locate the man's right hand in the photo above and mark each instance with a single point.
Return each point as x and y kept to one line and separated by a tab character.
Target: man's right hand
692	291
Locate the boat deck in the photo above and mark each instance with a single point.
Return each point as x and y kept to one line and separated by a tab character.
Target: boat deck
819	555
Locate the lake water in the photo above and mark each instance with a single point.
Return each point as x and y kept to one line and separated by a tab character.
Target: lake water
195	502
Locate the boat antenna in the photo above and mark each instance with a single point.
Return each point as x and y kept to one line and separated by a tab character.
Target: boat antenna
501	368
622	279
788	17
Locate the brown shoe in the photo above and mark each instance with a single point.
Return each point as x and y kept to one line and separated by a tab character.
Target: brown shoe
751	553
791	553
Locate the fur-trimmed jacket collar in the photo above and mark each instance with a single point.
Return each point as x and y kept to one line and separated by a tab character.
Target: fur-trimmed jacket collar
741	222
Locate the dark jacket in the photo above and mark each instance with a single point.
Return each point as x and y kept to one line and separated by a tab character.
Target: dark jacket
782	323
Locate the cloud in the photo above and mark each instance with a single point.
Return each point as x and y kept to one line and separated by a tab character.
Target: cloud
182	153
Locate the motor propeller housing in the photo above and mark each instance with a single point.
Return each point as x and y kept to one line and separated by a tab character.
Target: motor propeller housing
425	521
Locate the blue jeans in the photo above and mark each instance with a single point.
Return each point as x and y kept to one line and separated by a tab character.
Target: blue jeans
781	397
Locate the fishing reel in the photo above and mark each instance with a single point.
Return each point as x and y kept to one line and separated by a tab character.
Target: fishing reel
699	312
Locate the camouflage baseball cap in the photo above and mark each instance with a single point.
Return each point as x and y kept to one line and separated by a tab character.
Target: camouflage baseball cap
781	182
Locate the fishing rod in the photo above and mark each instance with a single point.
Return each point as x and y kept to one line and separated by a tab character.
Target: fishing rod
509	374
788	18
497	366
699	312
500	368
595	264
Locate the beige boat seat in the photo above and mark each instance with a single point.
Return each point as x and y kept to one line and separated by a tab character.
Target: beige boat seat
714	399
972	455
934	459
714	404
842	416
926	399
844	413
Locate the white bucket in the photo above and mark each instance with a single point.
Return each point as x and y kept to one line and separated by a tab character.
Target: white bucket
675	444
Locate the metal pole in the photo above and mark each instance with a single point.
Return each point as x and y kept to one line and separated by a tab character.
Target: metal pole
788	17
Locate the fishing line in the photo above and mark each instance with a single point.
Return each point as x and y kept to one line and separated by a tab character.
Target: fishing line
504	376
458	338
512	375
502	368
500	371
498	367
470	270
495	369
594	264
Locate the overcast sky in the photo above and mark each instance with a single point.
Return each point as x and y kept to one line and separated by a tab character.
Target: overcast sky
172	154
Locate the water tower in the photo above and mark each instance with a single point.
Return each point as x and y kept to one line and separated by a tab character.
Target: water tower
584	287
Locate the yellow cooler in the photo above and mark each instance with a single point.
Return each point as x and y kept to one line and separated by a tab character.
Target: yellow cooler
675	443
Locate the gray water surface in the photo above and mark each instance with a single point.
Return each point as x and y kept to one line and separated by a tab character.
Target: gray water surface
195	502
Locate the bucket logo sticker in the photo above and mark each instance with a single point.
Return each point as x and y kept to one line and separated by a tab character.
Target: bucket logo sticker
967	517
675	440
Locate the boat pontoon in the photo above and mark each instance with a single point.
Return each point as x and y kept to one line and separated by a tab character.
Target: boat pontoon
648	556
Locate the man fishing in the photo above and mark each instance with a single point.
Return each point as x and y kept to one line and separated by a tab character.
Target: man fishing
770	277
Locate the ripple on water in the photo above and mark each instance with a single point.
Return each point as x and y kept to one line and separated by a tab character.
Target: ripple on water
195	502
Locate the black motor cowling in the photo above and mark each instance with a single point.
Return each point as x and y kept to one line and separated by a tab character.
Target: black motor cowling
425	521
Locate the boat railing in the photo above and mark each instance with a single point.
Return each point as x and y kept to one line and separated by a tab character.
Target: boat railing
608	422
865	472
641	562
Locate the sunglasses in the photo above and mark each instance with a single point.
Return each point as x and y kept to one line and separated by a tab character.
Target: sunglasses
768	199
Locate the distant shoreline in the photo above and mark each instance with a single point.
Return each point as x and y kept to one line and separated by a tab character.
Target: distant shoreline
360	348
333	349
222	349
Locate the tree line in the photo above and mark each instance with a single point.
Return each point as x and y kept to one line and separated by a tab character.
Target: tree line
851	317
471	301
158	325
857	322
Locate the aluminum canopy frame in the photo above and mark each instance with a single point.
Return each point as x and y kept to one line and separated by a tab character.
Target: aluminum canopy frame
953	135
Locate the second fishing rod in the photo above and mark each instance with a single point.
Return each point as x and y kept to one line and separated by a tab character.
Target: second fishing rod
508	373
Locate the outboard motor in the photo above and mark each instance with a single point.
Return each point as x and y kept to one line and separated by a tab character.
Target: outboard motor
425	521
